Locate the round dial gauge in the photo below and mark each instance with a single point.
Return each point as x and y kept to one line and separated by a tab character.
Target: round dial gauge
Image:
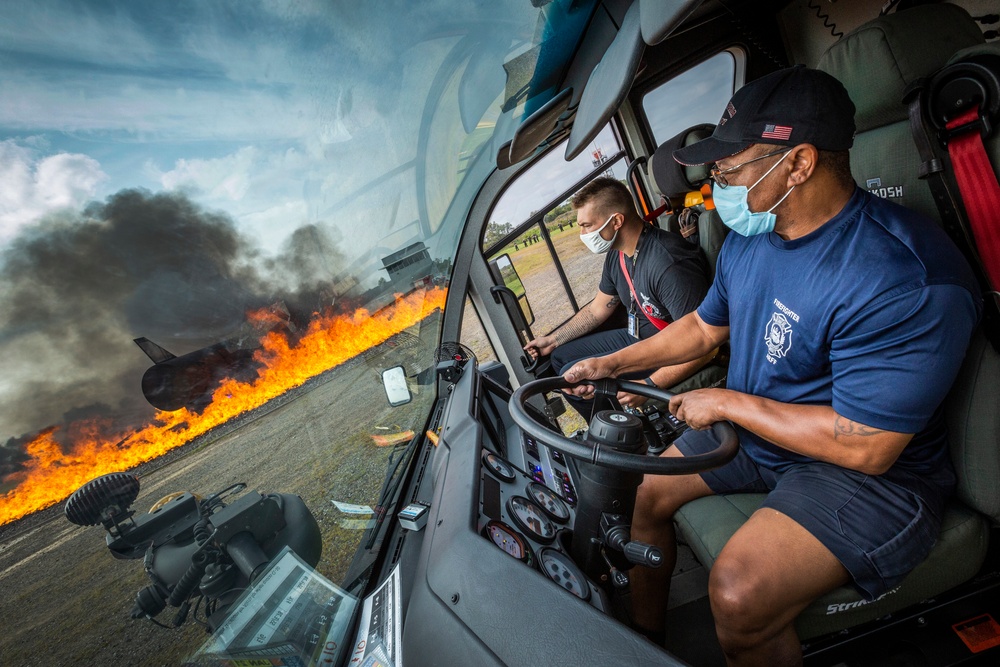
509	541
550	503
531	519
558	567
500	468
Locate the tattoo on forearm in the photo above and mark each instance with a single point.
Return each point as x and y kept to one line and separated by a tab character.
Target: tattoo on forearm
845	427
583	322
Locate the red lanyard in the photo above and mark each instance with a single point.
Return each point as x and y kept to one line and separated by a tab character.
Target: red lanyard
657	322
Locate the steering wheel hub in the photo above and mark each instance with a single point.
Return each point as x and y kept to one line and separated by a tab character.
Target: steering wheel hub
618	430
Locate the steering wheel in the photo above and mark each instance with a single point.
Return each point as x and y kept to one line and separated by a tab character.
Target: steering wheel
610	458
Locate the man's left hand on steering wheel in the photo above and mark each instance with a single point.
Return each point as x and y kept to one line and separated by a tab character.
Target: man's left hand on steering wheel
700	408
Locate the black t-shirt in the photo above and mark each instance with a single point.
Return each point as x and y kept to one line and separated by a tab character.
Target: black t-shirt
669	275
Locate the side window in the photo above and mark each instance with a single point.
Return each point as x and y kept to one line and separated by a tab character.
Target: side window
474	334
534	225
698	95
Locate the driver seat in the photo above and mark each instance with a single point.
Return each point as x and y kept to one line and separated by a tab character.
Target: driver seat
876	62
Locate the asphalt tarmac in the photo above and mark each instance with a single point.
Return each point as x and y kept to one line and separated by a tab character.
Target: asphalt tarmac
66	601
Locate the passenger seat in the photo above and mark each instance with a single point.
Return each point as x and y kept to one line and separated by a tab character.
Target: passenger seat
676	182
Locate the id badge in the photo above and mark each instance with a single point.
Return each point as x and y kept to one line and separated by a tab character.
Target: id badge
633	325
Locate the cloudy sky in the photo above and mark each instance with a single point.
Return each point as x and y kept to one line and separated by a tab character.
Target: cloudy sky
164	166
172	96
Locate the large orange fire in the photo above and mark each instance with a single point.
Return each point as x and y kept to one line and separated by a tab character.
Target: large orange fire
51	474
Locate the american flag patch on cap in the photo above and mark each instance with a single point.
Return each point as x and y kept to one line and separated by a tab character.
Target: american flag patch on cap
780	132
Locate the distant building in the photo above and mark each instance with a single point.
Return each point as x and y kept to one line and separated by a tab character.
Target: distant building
409	267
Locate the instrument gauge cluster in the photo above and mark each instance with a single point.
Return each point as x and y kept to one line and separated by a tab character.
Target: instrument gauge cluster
508	540
498	467
561	569
526	508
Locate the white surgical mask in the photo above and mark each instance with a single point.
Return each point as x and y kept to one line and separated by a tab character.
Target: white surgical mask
731	203
598	244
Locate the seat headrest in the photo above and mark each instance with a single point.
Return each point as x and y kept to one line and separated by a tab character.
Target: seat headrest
671	177
878	60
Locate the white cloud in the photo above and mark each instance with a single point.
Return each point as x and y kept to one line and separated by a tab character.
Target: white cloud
35	184
226	178
267	191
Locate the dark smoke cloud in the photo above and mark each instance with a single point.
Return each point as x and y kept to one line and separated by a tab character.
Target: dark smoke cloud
76	289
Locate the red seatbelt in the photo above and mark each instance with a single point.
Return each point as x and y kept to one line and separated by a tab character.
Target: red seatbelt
655	213
657	322
979	188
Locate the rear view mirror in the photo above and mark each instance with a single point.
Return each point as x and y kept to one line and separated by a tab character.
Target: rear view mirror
513	282
394	380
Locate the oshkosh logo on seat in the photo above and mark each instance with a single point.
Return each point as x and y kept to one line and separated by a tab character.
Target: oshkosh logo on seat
874	186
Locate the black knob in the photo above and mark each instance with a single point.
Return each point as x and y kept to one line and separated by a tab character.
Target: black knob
619	579
641	553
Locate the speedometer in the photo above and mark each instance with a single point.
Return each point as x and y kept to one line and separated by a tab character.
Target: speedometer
531	519
550	503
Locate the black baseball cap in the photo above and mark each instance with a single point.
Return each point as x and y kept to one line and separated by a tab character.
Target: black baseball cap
792	106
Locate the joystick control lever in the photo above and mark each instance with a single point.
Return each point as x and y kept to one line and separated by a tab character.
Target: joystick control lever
616	534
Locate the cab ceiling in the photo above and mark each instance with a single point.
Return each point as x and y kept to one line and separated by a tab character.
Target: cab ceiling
610	56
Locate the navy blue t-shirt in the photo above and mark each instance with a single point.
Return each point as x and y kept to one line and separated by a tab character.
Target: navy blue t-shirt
871	313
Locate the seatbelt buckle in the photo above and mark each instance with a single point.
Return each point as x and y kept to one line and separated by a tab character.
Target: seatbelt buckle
981	123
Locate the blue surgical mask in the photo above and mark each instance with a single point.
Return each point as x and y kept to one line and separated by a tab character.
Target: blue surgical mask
731	203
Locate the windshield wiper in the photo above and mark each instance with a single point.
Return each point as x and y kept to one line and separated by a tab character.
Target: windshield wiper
390	486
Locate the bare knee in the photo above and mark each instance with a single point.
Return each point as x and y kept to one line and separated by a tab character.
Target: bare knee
739	602
650	501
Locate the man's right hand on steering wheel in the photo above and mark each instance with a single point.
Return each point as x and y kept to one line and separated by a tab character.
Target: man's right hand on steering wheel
594	368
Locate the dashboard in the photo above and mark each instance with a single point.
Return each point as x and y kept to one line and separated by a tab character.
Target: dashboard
490	579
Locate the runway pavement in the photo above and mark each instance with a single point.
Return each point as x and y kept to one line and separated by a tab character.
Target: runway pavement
66	601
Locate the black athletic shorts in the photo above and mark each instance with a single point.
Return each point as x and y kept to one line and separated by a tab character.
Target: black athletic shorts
879	527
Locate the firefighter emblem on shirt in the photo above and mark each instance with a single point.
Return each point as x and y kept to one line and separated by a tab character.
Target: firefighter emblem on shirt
649	307
778	337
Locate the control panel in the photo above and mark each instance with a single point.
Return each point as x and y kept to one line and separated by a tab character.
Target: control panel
527	506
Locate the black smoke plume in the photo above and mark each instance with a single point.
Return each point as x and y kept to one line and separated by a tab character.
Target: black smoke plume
75	289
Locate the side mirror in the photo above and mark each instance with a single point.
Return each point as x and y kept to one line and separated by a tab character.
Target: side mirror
513	282
394	380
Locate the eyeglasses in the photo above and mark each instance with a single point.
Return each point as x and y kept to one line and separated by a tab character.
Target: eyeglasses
719	175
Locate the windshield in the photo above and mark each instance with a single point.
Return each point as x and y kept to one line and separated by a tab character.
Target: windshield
220	222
